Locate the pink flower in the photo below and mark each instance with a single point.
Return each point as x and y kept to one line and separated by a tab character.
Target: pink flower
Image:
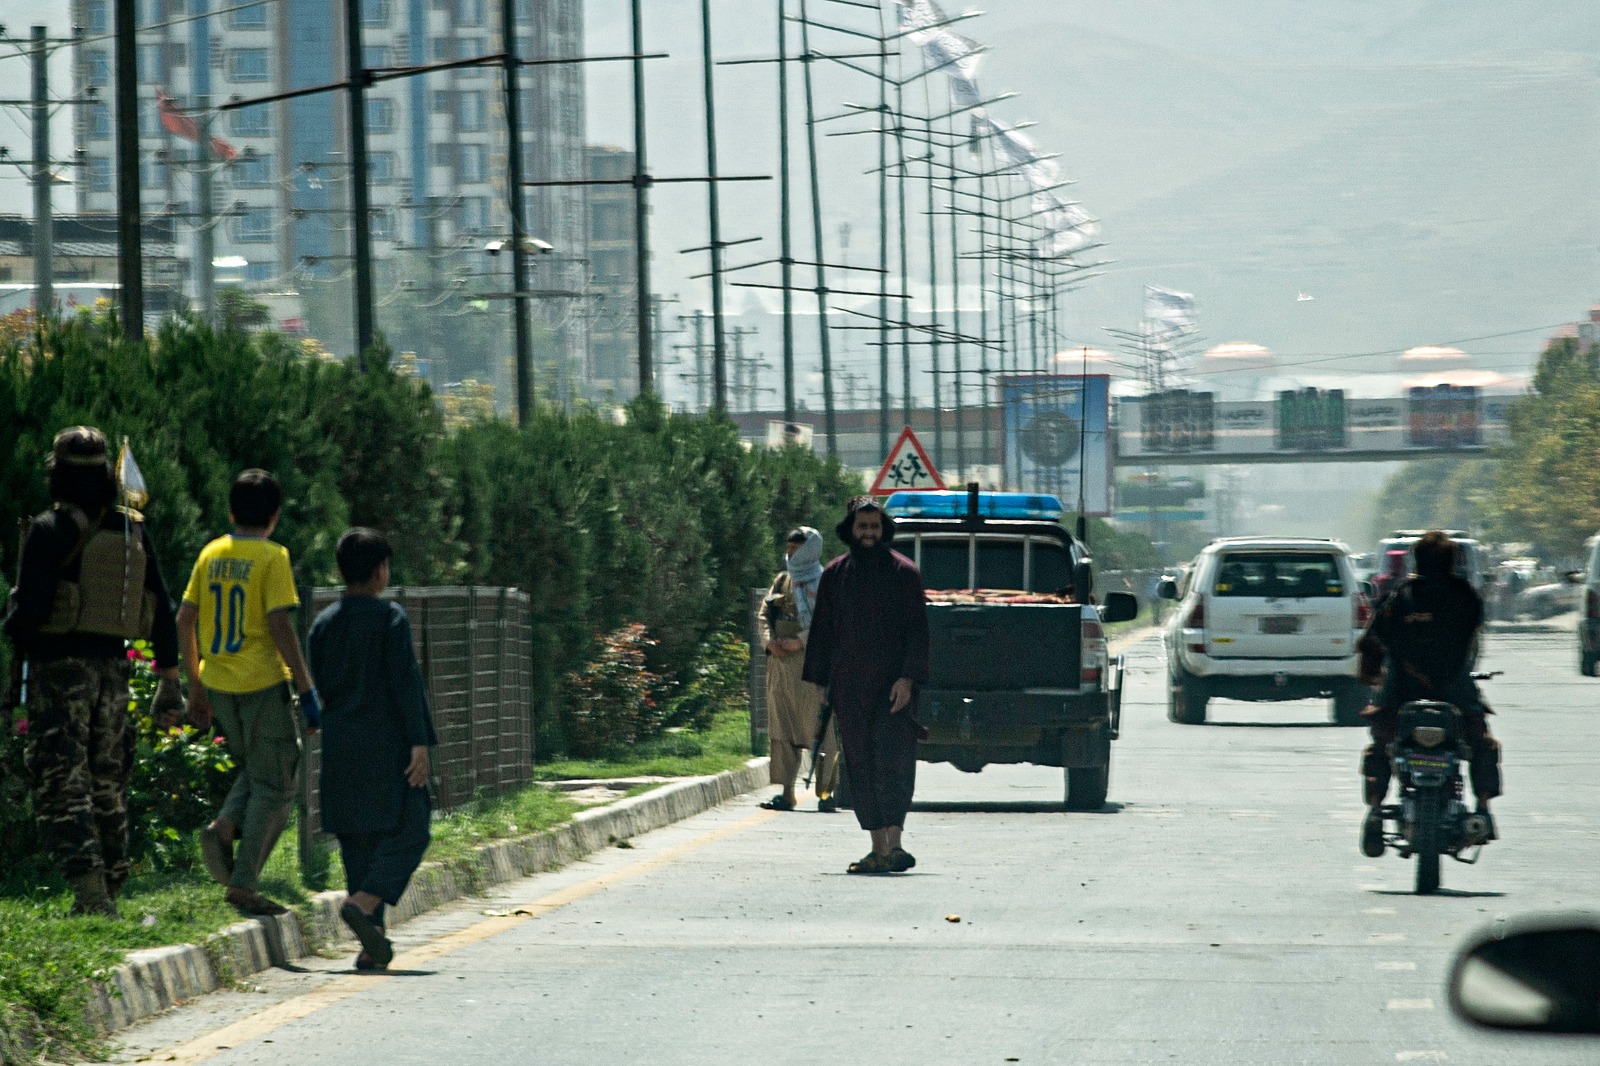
219	740
133	653
22	727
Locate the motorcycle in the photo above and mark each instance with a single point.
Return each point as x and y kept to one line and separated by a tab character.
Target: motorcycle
1432	818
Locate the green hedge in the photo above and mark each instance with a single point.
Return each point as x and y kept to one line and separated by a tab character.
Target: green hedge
664	520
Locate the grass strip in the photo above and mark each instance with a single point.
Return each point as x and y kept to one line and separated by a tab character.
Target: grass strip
725	746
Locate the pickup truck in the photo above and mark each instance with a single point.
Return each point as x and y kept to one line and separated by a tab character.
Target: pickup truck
1019	666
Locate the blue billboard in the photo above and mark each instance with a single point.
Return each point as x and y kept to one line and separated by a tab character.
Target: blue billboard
1055	437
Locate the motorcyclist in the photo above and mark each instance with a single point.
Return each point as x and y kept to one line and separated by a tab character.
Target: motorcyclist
1424	635
1393	574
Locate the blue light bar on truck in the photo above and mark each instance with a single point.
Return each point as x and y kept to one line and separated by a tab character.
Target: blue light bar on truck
990	505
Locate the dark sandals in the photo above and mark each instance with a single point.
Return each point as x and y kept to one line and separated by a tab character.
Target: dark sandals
778	803
872	863
374	945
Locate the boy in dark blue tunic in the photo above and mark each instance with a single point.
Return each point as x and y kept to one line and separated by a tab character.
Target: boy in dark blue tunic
376	732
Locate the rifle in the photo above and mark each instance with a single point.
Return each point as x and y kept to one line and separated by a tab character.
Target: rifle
823	718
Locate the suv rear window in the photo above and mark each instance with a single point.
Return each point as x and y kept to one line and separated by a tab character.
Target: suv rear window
1279	575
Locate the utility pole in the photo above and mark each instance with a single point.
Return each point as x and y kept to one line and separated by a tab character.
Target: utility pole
700	360
641	207
43	225
785	236
206	219
360	206
519	215
130	251
807	59
719	340
745	369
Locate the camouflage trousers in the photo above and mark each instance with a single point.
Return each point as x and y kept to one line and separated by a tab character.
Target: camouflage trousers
79	756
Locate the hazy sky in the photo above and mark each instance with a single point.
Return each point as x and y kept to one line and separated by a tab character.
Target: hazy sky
1425	169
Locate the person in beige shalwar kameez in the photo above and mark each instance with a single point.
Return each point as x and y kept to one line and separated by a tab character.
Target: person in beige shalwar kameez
794	704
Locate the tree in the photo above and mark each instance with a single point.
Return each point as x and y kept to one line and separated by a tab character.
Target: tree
1549	482
237	310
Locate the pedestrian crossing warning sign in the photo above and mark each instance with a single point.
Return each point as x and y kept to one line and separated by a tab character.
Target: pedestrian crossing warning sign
907	467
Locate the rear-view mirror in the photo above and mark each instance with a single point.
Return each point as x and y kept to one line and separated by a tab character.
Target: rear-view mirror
1119	607
1167	589
1575	577
1537	976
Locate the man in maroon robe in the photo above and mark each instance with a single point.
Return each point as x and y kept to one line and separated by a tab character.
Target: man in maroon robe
869	649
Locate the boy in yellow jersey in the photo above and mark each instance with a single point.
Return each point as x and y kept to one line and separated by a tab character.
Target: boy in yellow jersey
247	654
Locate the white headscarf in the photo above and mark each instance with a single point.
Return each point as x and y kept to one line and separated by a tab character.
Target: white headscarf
805	573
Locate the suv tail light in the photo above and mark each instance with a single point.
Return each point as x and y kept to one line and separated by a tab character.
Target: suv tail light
1197	620
1591	603
1363	610
1092	638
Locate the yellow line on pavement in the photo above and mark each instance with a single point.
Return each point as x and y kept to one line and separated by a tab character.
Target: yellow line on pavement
290	1010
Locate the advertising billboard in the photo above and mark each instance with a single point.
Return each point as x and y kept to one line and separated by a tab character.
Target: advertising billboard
1055	434
1444	416
1178	421
1311	420
1175	425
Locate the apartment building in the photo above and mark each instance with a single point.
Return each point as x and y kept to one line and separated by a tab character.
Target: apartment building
281	177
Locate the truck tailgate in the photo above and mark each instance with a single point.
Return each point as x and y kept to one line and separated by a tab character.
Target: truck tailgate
1004	647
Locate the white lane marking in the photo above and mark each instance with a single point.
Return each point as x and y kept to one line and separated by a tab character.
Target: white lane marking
1379	911
1421	1056
1371	888
1388	938
1365	868
1397	967
1252	814
1410	1004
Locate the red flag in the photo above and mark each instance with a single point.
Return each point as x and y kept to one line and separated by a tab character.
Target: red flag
178	123
173	120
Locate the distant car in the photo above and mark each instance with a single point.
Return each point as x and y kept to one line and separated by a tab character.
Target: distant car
1470	561
1589	619
1266	619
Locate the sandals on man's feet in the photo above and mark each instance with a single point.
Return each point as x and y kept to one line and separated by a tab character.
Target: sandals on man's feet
365	964
374	944
901	860
871	863
778	803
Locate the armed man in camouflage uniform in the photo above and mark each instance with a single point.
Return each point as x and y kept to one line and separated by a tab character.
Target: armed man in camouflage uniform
89	583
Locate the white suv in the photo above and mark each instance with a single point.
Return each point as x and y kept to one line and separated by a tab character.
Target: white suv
1266	619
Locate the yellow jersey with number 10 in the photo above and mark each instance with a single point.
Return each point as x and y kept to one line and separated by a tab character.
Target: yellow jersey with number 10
236	583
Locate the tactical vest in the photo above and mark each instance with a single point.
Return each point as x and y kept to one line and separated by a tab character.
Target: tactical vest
782	614
109	597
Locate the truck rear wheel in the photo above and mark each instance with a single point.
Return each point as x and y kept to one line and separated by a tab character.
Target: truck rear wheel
1186	701
1087	787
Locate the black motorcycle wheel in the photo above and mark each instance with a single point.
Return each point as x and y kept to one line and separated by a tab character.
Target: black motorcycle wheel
1429	838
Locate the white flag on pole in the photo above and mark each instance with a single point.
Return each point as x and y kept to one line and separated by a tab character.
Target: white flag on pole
1169	309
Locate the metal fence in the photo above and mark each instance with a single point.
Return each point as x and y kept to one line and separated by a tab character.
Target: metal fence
475	647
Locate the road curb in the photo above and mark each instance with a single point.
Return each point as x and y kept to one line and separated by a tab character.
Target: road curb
155	979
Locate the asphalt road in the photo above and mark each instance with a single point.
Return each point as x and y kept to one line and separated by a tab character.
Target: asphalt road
1217	911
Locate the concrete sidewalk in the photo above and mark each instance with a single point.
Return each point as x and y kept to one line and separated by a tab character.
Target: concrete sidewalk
155	979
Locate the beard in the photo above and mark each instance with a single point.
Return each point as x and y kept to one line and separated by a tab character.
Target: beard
861	552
